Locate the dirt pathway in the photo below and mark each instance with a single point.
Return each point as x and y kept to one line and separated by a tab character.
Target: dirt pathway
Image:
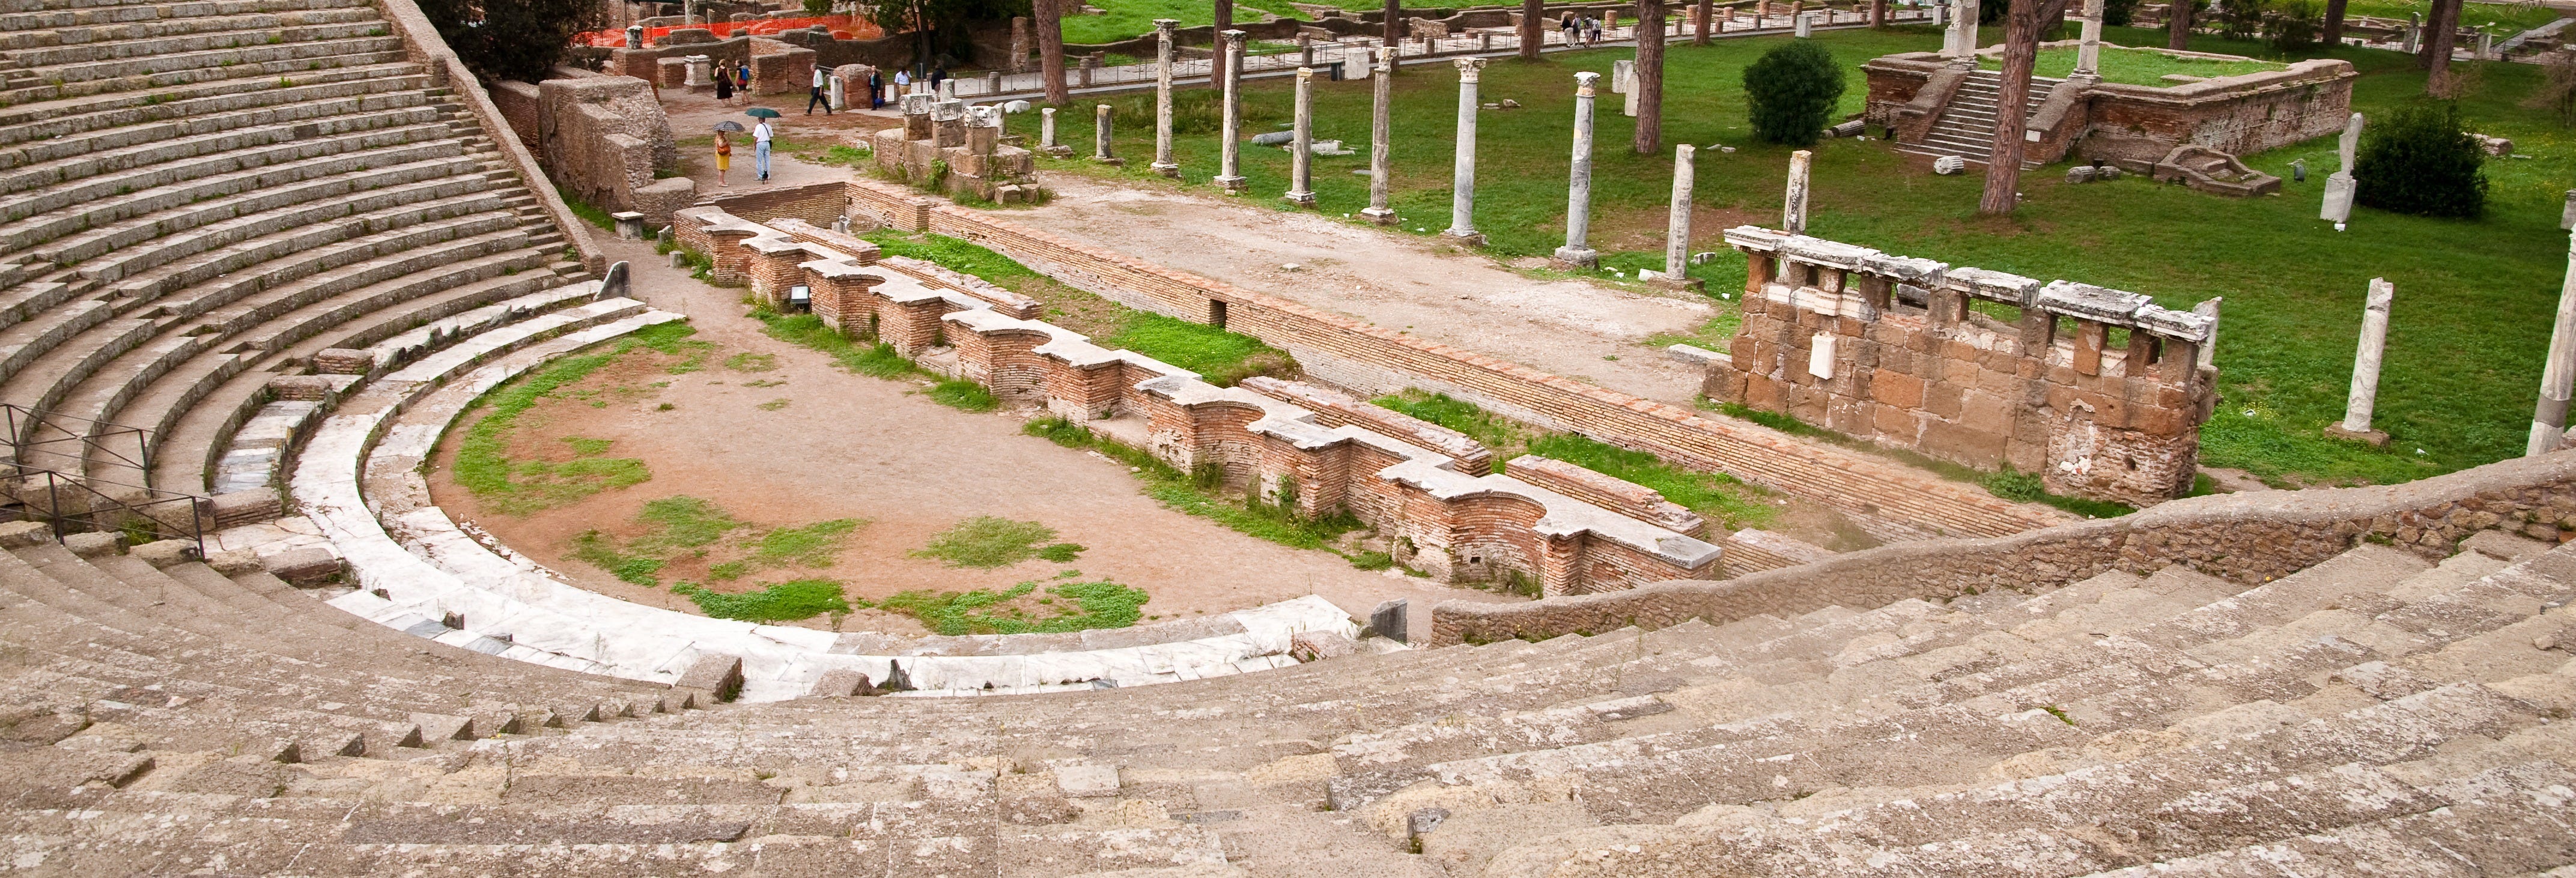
1437	291
851	446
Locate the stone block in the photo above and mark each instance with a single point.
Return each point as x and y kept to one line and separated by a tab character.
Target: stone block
304	568
1309	646
94	545
1388	620
165	553
1896	388
310	388
244	507
841	683
341	361
22	534
717	674
1087	781
235	562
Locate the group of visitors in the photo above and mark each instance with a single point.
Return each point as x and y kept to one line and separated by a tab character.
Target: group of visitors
732	78
1580	30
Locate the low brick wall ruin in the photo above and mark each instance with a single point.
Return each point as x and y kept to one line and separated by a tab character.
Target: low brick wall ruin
1456	526
2247	538
1889	349
2133	126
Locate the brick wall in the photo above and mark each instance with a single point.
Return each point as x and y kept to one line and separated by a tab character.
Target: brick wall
817	203
1894	350
2247	538
2136	125
1357	355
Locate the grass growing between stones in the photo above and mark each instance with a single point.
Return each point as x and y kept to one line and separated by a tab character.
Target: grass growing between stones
1221	357
2463	358
1718	497
781	602
987	542
1199	494
1073	606
513	486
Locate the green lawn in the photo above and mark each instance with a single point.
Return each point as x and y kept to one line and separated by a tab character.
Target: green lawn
2138	66
2508	18
2474	299
1123	19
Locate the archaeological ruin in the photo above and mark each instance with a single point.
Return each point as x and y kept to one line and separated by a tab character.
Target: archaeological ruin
269	267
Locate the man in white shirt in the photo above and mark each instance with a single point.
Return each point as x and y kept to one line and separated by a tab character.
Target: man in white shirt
760	135
817	97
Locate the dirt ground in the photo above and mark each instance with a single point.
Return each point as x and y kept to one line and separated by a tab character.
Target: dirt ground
851	446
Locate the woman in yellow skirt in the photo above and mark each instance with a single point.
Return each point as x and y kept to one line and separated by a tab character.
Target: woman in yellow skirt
724	158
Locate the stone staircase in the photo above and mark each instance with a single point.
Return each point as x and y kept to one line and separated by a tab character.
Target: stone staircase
2374	712
196	198
1967	126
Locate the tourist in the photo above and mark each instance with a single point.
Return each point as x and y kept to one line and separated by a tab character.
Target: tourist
1566	23
1591	31
724	157
817	96
724	85
876	89
902	83
742	80
760	147
938	75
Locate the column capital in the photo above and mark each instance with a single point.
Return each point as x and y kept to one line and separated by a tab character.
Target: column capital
1234	37
1469	68
1165	26
1305	74
1583	83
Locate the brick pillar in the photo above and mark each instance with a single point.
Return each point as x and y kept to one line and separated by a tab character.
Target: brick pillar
1084	393
1757	271
2089	338
2180	362
725	248
843	300
1560	566
912	327
2142	354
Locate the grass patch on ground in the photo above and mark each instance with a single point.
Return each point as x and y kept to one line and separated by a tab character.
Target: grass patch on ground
1223	358
588	212
681	531
513	486
988	542
2139	66
1123	19
963	395
813	545
1073	606
2508	18
780	602
878	360
751	362
2475	297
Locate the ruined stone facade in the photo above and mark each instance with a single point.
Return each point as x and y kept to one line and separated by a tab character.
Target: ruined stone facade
1972	366
1455	525
2133	126
948	147
605	140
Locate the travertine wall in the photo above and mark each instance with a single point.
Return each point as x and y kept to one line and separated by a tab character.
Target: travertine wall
1893	498
2247	538
1454	525
603	138
1897	351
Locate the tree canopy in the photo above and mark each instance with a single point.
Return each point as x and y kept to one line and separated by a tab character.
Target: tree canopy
511	39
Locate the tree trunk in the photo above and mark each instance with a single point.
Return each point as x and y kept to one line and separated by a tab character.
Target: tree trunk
1050	26
1649	138
2332	35
2021	51
1224	21
1395	23
1877	13
2441	28
1533	28
1700	29
2178	24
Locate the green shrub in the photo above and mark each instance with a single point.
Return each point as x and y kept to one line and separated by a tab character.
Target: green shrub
2295	24
2243	19
2115	13
1790	93
2420	160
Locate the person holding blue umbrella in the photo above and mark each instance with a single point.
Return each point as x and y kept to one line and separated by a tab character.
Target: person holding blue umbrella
760	135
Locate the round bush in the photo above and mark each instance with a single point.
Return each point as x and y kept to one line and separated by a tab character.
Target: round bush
2419	160
1790	92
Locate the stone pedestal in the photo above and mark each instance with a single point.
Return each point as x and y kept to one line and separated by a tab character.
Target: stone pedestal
1100	137
1793	205
1805	26
1301	143
1623	80
1577	251
1959	40
2088	52
1381	127
701	72
1462	178
1046	136
1677	224
1163	163
1229	61
2365	369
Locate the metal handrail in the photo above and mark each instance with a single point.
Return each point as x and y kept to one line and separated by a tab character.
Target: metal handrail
103	512
24	423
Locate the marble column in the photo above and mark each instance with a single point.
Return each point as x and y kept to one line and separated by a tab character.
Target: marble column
2088	54
1163	163
2558	375
1578	189
1793	206
2365	368
2209	347
2340	185
1677	234
1462	178
1959	43
1301	143
1381	127
1230	67
1100	136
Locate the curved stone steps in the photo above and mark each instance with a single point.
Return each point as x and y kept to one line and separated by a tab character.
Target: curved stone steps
142	273
59	192
24	31
68	60
203	137
78	77
49	129
33	219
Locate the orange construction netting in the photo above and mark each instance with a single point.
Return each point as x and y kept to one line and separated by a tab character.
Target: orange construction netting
843	27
